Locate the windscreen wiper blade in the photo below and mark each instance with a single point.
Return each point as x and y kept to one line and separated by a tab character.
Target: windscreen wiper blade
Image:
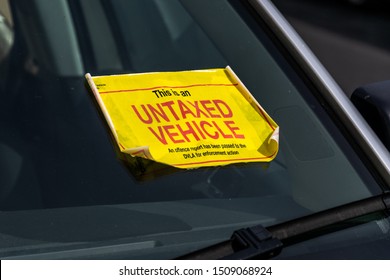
258	242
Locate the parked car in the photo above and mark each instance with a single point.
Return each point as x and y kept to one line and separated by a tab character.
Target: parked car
65	195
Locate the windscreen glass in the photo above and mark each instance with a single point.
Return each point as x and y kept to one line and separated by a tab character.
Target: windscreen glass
58	164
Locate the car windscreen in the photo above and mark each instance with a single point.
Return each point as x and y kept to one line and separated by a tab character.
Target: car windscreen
61	181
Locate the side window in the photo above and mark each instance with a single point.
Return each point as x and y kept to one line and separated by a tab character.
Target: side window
6	43
6	32
5	11
19	188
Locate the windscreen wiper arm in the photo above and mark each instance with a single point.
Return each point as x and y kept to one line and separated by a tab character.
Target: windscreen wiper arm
258	242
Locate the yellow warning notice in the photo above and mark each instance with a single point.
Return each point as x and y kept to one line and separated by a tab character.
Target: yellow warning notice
186	119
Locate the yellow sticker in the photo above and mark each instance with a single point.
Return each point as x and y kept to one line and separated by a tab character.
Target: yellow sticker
186	119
